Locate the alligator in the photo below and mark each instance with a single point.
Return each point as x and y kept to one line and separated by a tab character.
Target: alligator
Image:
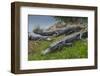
65	41
66	31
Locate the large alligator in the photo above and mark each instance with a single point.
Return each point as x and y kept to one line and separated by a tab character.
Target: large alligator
65	41
62	31
67	30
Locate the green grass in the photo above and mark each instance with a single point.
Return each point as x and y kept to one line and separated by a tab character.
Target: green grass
77	50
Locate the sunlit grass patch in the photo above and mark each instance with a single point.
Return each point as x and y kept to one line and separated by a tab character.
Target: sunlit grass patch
77	50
